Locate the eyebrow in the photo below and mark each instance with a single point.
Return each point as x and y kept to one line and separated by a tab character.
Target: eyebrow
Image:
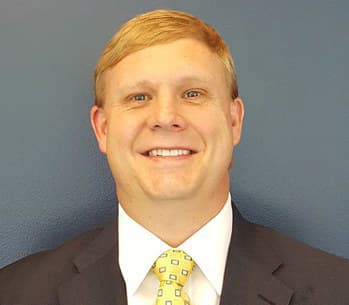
148	83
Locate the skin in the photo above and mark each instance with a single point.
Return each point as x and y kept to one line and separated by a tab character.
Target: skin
169	96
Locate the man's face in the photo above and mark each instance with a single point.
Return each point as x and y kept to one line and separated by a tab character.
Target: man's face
169	124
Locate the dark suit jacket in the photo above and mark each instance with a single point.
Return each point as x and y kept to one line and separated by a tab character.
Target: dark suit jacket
263	267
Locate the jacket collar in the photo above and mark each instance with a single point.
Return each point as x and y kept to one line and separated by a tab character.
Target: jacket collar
248	277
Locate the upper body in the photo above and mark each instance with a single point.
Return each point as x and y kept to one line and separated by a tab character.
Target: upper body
168	116
263	267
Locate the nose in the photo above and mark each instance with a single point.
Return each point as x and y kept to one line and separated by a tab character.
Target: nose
165	114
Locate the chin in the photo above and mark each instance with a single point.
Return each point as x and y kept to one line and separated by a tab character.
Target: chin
173	191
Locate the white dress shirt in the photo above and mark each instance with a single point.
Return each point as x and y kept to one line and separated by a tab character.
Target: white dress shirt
139	248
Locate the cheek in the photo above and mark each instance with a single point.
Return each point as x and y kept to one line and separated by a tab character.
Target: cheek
215	125
121	132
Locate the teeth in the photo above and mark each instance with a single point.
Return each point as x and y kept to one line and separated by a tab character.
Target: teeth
169	152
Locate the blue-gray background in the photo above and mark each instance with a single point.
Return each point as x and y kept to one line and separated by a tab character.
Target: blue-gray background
291	168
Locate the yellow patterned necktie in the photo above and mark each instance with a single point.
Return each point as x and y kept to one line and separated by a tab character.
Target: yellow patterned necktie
173	268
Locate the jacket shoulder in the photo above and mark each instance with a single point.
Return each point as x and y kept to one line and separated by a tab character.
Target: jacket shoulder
296	252
34	279
310	272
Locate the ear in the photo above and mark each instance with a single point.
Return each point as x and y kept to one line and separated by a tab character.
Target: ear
237	117
99	125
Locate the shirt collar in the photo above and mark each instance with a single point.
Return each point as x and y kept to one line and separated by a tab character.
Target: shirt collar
208	247
138	249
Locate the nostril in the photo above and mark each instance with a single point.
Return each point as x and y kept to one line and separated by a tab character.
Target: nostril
174	123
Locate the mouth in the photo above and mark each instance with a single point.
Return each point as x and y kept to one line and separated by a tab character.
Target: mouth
165	152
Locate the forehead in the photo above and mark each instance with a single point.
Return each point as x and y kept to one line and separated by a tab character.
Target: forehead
184	59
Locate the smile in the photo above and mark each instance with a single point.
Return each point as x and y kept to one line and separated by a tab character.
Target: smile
168	152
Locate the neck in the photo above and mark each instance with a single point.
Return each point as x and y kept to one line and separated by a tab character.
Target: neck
174	221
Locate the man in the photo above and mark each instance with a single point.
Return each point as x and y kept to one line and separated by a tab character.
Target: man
167	115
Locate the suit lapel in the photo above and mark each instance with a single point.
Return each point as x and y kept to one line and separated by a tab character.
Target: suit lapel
99	280
248	278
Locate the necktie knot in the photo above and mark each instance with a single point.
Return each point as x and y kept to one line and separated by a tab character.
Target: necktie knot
173	267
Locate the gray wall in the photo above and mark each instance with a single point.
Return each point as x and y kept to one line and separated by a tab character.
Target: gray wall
292	167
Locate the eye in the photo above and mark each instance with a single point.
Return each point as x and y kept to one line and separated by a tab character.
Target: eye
139	97
192	94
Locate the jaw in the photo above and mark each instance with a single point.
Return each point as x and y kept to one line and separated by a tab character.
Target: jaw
141	175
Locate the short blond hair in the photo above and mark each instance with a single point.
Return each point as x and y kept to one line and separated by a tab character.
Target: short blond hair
159	27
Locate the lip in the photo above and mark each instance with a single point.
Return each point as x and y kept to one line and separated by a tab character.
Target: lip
145	153
168	160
